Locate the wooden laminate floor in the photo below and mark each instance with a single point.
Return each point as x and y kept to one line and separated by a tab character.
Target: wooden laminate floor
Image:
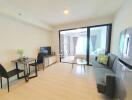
57	82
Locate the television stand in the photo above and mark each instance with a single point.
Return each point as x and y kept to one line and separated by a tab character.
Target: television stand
49	60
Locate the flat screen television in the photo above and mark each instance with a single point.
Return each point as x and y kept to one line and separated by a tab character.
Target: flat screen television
45	50
124	66
125	46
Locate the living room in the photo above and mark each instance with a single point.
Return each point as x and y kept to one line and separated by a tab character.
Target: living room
29	27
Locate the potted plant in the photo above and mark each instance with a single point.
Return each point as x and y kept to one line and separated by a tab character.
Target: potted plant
20	52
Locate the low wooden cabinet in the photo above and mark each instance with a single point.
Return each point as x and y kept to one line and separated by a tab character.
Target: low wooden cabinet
49	60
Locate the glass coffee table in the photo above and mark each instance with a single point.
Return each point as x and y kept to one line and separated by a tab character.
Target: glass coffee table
80	62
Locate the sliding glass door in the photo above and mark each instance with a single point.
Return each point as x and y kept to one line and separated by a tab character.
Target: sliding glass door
99	41
73	44
84	43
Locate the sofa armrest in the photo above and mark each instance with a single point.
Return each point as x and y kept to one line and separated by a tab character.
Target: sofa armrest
101	88
110	85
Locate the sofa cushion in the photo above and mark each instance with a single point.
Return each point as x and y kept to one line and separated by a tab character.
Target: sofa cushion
102	59
98	65
111	60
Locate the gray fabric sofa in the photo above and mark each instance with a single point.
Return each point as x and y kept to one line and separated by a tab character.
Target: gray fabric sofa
105	75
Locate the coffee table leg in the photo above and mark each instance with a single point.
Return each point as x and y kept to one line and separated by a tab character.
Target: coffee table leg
17	68
36	72
72	66
84	68
26	71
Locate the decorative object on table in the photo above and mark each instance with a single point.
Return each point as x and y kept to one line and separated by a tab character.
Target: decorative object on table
20	52
102	59
23	59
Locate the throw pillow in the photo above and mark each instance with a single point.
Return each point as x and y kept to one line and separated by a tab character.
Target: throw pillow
102	59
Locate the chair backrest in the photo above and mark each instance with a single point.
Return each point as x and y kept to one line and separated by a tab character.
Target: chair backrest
3	72
40	58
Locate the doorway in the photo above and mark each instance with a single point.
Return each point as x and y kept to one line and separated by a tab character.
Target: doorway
84	43
73	44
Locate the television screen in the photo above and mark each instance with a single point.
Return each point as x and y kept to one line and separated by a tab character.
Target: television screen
125	46
45	50
121	45
124	66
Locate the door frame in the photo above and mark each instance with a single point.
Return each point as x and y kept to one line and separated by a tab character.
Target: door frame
108	39
108	42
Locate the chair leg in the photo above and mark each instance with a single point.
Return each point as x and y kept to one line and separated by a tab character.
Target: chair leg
36	71
1	81
24	75
8	84
29	69
38	67
43	67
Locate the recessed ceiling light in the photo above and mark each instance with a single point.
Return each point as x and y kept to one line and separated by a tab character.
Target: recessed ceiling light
66	12
19	14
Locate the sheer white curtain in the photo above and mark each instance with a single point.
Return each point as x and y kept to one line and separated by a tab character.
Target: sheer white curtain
81	47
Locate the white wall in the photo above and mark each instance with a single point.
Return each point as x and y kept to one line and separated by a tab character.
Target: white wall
55	33
122	21
15	34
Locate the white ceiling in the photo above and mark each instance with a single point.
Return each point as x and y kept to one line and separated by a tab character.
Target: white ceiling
50	12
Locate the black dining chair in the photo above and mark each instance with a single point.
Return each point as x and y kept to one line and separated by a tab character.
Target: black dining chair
7	75
39	61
